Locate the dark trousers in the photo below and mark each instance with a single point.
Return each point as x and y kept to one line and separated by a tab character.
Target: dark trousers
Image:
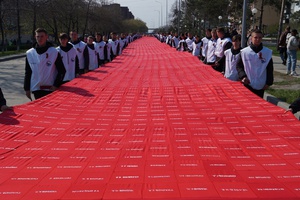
40	93
283	54
259	93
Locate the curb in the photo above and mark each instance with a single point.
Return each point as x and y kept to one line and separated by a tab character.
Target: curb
274	100
6	58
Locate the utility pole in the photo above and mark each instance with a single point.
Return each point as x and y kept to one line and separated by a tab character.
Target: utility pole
280	20
167	10
244	25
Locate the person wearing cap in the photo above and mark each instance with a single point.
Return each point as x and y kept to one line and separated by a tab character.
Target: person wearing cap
292	47
44	70
69	57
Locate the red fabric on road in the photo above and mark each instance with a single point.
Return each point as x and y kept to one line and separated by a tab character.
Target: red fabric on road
154	123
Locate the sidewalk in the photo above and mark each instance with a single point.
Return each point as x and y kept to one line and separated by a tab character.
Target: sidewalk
11	57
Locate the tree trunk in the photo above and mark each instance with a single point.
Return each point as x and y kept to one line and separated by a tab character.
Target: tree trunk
19	27
261	14
1	27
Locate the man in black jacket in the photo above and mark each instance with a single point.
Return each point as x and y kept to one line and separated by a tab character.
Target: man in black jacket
255	68
44	70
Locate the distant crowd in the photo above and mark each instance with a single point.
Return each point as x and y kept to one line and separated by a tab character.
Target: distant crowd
252	65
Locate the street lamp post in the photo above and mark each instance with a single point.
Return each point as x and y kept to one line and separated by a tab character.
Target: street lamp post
254	11
220	18
161	12
158	17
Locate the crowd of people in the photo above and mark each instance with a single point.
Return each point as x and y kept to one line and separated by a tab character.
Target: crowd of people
48	67
252	65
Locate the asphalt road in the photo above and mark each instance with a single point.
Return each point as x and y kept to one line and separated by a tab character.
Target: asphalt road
11	81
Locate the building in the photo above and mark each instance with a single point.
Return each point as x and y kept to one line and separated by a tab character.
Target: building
124	11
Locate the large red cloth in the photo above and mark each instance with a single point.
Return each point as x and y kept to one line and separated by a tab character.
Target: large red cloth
154	123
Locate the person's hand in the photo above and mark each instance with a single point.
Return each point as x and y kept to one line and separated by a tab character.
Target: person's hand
265	87
53	88
28	94
245	81
288	110
5	107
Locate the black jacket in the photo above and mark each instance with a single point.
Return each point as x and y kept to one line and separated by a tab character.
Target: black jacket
295	106
241	68
2	99
58	63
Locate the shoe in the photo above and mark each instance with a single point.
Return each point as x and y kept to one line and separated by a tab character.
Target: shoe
294	74
284	62
288	72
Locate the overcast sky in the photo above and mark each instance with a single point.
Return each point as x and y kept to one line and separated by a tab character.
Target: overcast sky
148	11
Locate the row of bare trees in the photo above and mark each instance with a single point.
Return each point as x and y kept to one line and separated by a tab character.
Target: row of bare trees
22	17
195	15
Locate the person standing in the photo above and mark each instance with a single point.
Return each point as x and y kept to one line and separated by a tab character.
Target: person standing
93	55
115	45
82	52
189	41
292	47
100	46
204	43
223	43
196	46
44	70
107	50
282	45
69	57
255	68
210	57
182	45
232	56
3	106
175	40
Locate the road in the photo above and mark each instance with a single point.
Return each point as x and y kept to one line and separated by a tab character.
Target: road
11	81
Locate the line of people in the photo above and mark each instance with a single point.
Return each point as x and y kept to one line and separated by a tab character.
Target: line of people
48	67
253	65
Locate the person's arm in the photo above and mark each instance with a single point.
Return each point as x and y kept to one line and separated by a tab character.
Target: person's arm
86	58
295	106
61	71
105	53
27	79
241	72
270	75
76	66
118	48
2	99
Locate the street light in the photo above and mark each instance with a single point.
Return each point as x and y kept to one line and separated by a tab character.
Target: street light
254	11
161	12
220	18
158	17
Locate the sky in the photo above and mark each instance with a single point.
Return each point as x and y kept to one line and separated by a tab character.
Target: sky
149	11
